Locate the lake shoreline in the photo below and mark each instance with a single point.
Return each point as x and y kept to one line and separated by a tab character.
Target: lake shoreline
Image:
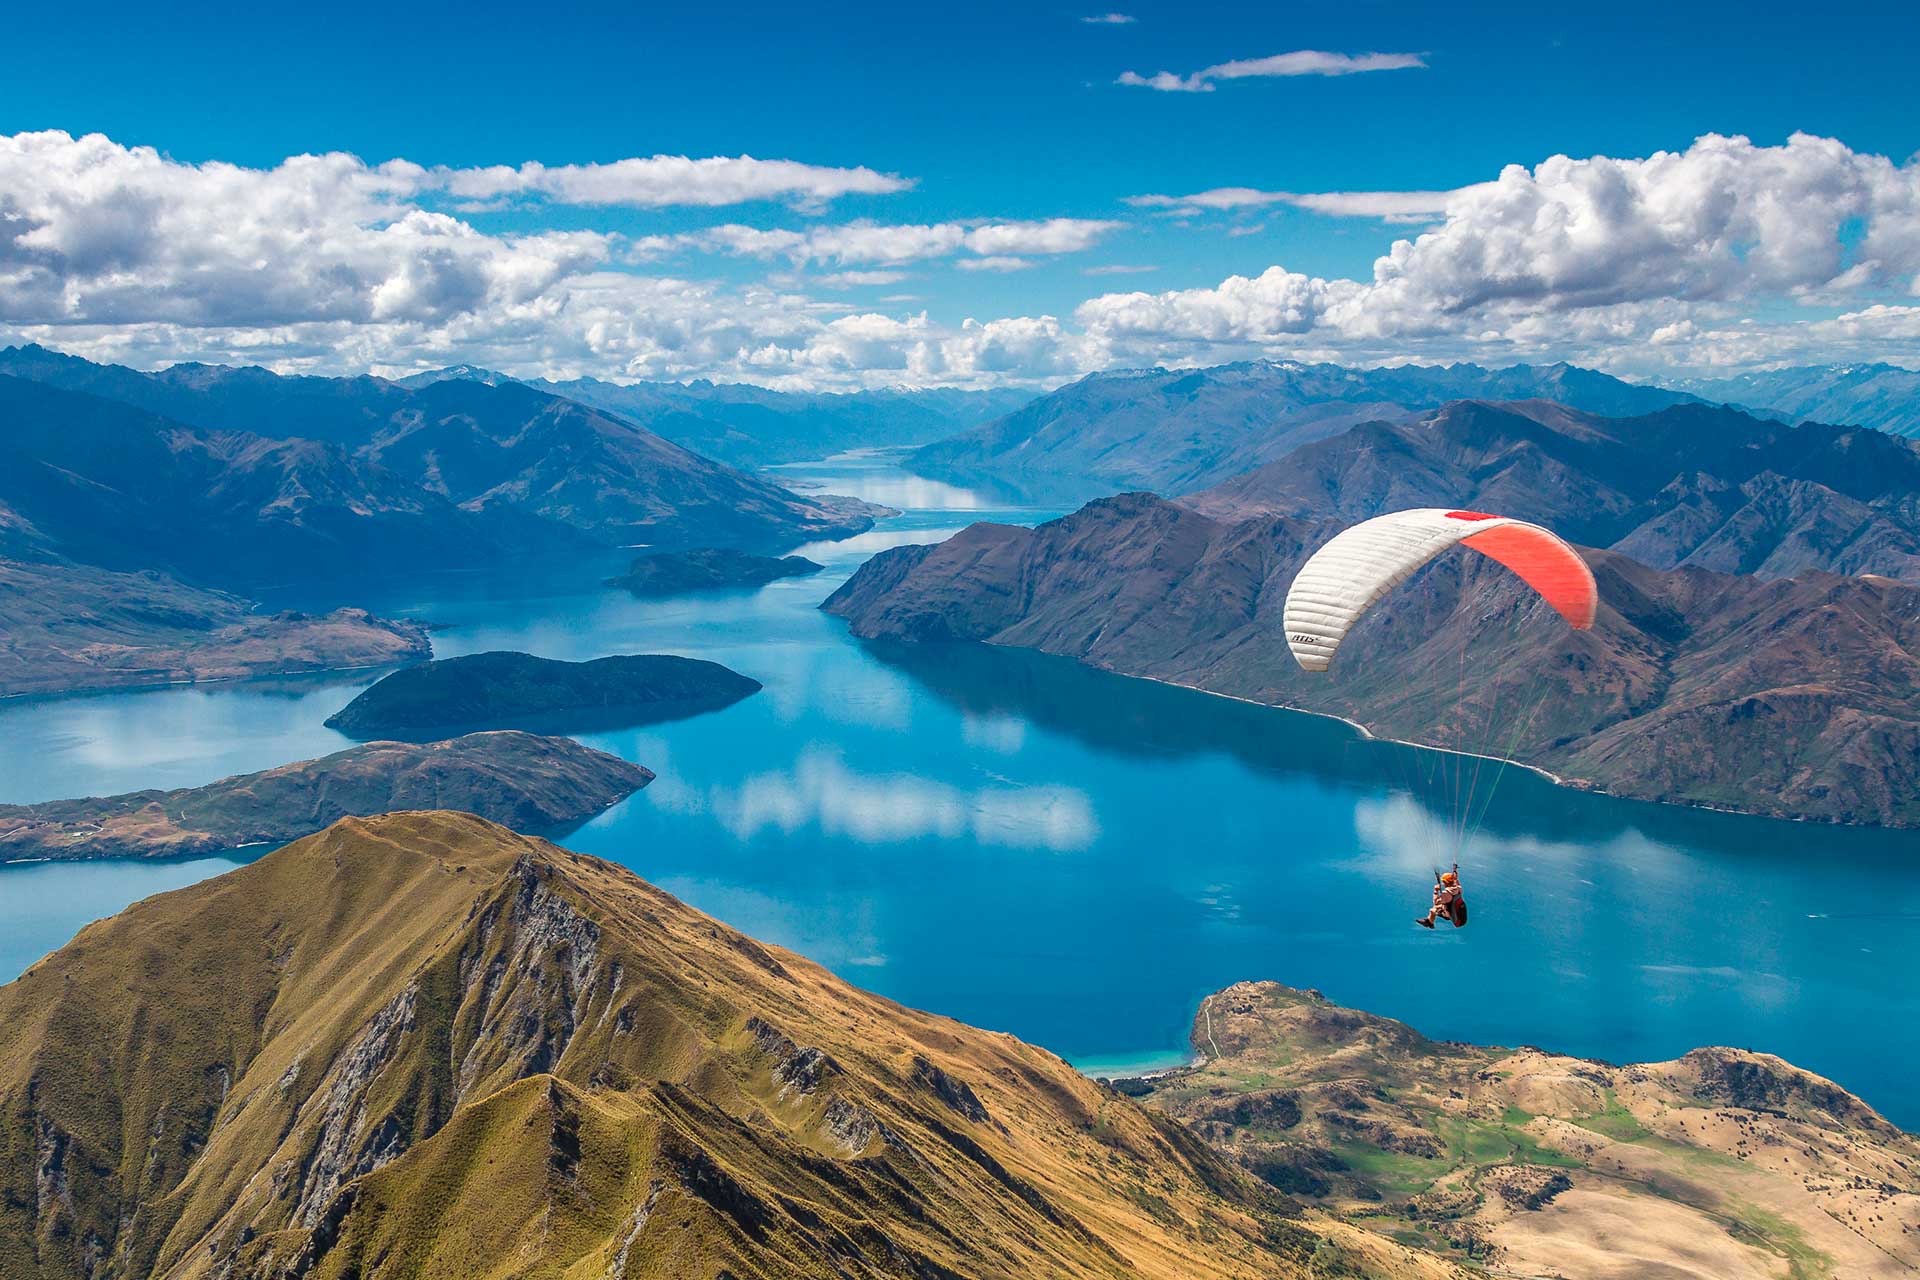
1558	780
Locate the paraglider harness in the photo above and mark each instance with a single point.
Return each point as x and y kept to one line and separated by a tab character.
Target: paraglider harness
1451	899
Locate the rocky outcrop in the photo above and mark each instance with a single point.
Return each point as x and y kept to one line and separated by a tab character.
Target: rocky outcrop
502	689
347	1145
518	779
1518	1160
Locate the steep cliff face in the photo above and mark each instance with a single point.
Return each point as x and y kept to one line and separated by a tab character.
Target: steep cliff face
1796	697
422	1045
1723	1162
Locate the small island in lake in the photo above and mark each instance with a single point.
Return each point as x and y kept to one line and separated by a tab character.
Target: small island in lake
668	573
503	689
518	779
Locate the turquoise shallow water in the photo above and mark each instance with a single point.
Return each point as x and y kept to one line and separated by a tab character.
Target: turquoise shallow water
1078	858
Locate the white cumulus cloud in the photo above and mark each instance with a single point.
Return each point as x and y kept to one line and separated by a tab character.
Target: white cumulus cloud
1300	62
866	242
1725	254
1385	206
1599	250
656	182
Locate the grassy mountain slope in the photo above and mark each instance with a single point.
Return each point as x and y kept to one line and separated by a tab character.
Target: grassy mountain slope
421	1045
1723	1163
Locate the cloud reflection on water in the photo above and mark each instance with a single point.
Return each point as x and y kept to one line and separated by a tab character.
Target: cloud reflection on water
820	790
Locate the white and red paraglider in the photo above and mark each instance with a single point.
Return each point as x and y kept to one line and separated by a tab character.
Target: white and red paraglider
1349	575
1356	568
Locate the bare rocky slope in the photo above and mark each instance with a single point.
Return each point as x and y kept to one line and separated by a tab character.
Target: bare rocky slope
1792	697
1723	1163
423	1046
532	783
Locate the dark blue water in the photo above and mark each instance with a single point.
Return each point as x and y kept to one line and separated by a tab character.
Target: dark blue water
1077	858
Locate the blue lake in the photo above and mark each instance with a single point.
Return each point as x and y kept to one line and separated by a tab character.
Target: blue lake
1077	858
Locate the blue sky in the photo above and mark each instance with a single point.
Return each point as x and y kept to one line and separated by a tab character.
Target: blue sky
1003	117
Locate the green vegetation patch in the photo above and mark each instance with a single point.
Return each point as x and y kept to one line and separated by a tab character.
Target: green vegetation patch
1615	1121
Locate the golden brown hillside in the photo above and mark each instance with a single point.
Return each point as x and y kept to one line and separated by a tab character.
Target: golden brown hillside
421	1045
1722	1164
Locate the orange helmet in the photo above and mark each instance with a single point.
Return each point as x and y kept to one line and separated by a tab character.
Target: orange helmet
1447	877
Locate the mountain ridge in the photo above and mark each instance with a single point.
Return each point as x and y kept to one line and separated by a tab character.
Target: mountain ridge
1175	431
1691	485
553	472
435	1039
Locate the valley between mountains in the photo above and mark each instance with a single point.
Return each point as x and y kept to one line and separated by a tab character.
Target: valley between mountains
420	1041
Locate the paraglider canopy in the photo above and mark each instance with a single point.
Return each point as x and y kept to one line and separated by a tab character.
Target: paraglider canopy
1358	566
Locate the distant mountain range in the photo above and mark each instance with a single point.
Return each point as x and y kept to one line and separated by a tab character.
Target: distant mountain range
1882	396
1176	432
103	483
237	476
751	426
1693	485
